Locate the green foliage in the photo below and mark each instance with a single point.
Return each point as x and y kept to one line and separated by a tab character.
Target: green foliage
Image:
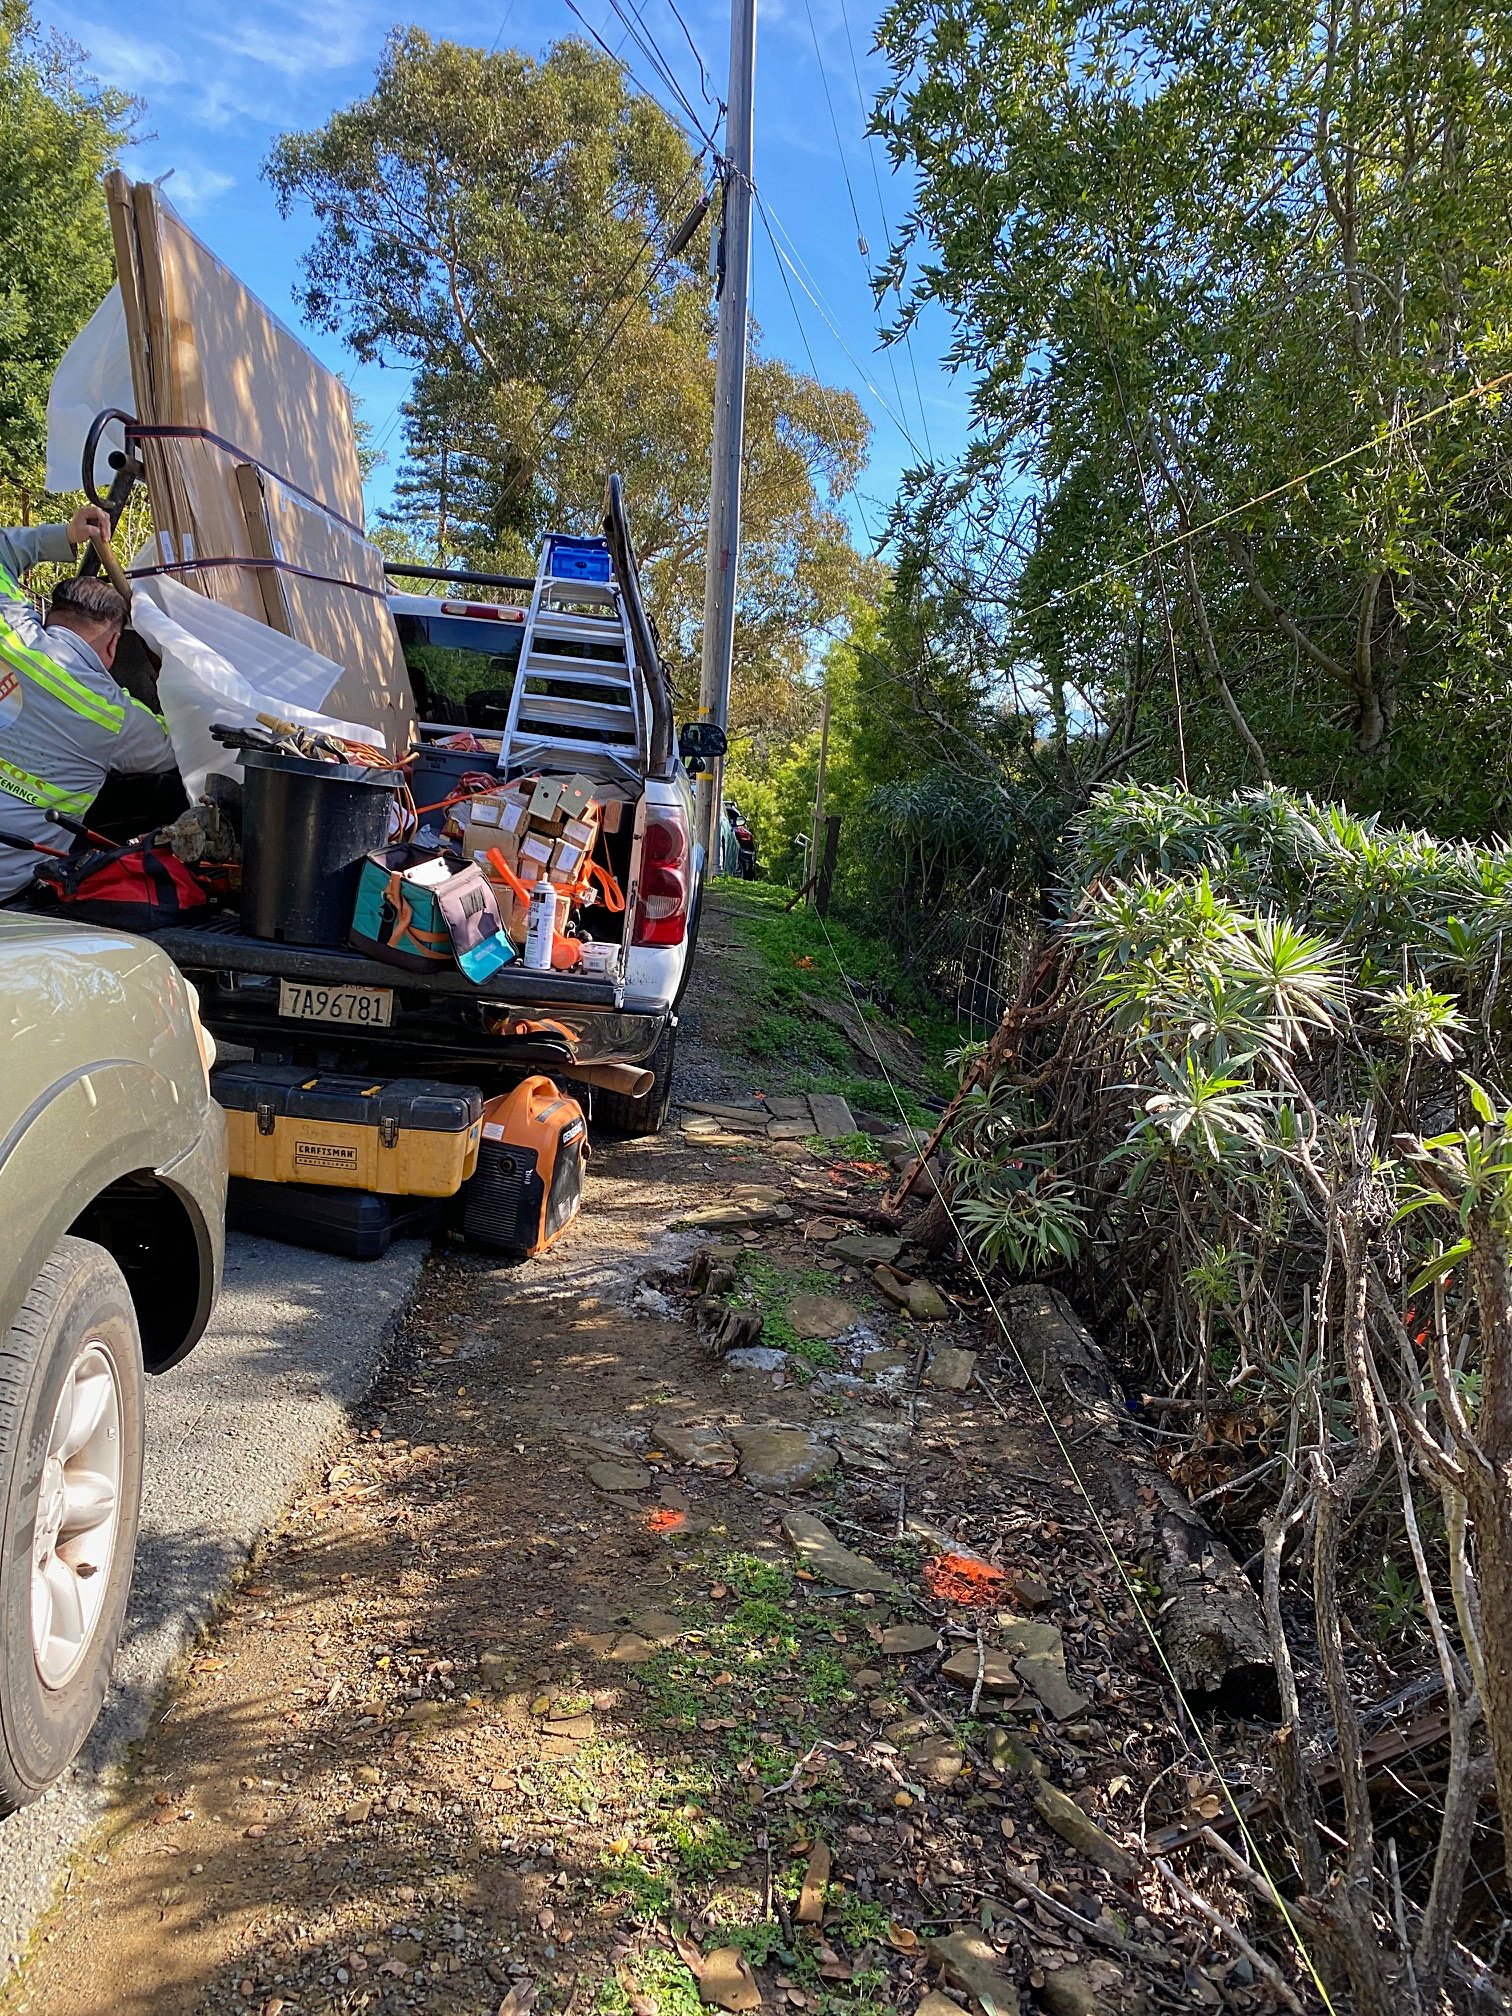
59	133
925	771
1192	253
857	1147
795	970
661	1979
1398	1603
645	1895
750	1576
1014	1206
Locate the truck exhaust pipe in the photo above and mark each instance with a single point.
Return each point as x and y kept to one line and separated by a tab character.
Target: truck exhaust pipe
633	1080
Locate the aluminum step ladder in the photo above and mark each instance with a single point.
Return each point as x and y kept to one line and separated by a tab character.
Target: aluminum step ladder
577	701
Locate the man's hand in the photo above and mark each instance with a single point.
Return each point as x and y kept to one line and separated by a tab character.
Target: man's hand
88	522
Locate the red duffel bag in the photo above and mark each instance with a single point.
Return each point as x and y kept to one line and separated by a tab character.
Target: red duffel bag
132	888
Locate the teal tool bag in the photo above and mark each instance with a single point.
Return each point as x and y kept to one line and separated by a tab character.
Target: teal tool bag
397	919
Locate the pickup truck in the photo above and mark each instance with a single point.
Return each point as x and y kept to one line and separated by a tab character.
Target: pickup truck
561	711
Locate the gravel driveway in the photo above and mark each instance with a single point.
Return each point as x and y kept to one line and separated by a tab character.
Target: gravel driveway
231	1434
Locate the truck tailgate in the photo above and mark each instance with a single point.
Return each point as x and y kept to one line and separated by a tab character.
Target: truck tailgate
222	947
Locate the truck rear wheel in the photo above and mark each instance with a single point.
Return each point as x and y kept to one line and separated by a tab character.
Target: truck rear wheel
71	1428
619	1114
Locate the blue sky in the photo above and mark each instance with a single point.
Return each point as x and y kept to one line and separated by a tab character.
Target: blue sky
220	81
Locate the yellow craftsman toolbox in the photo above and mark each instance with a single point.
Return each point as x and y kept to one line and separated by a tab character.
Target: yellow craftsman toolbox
400	1137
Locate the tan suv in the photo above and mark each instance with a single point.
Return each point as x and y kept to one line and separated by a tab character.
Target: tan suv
112	1200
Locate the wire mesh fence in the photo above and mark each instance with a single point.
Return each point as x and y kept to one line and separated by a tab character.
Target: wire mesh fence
970	957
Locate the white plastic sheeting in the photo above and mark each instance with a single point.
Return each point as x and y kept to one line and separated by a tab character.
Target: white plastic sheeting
93	374
219	665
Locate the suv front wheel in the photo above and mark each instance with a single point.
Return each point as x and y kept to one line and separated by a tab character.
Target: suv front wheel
71	1427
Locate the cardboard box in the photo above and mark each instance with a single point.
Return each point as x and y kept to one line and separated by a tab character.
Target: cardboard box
615	809
535	857
506	844
566	862
581	832
493	820
513	914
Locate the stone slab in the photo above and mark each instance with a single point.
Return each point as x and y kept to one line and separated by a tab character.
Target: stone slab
783	1459
832	1116
825	1316
826	1558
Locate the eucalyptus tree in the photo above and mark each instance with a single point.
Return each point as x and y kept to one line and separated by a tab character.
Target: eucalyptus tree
511	230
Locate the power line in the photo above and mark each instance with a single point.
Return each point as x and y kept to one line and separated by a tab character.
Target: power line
861	246
503	24
813	367
643	290
871	157
835	129
829	318
655	55
694	135
613	295
1394	431
703	74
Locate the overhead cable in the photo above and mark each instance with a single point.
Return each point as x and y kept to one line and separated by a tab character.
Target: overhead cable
799	271
871	157
861	245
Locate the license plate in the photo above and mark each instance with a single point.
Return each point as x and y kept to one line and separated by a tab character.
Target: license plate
357	1007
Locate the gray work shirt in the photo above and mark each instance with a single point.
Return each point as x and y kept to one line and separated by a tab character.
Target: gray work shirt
65	724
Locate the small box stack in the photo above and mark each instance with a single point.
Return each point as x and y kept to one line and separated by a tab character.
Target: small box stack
539	826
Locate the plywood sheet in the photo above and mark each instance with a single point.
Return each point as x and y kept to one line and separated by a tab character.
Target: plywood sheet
280	486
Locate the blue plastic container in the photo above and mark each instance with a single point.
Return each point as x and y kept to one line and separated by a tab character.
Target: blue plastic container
579	559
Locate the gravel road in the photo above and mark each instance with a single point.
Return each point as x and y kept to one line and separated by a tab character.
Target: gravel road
231	1434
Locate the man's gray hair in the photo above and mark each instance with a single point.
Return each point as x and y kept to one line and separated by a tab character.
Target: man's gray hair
87	601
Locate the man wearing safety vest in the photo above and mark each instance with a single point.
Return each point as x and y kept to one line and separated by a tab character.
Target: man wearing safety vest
65	724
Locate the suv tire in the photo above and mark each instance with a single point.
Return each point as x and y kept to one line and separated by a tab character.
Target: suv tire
618	1113
71	1431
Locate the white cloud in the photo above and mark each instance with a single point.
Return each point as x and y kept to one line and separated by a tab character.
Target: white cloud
192	189
298	43
129	61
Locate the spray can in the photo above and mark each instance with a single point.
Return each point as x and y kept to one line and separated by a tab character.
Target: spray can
540	927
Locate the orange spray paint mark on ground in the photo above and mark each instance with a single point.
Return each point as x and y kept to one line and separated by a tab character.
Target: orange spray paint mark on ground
964	1580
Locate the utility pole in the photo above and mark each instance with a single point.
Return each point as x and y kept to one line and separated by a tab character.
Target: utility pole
818	836
723	559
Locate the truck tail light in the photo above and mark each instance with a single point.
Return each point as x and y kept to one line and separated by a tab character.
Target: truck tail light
661	904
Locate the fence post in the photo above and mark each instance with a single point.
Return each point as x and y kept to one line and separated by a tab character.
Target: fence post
827	865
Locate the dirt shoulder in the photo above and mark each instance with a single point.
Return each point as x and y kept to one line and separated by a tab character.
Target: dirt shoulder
570	1685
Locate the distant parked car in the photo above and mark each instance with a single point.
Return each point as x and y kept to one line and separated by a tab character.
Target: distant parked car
738	855
112	1194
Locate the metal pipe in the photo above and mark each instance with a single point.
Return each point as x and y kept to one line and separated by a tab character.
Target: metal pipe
634	1080
399	569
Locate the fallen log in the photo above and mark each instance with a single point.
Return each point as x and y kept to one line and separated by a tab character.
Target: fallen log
1208	1620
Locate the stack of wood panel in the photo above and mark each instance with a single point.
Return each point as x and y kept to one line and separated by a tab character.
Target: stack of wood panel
256	491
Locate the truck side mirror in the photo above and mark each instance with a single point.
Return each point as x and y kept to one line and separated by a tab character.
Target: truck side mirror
702	742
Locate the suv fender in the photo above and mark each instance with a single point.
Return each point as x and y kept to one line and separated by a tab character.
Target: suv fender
122	1111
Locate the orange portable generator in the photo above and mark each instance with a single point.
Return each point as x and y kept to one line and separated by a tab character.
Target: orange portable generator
528	1185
